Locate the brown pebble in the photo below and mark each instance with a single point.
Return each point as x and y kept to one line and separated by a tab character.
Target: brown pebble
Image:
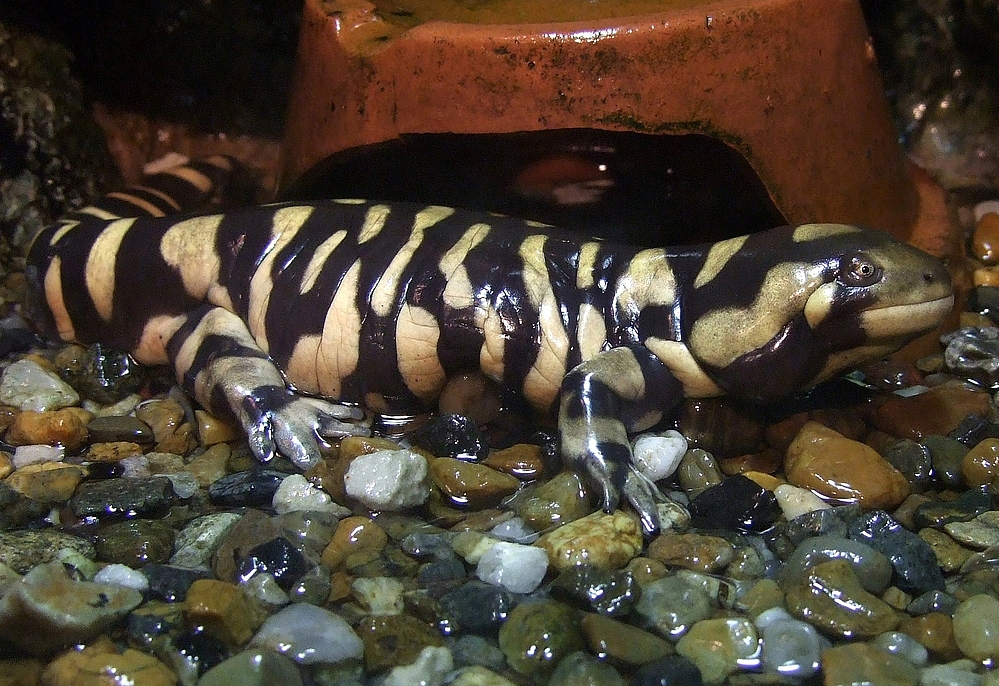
469	484
6	465
48	482
985	239
986	276
223	609
980	465
842	469
646	570
607	541
114	451
692	551
212	430
356	541
766	462
55	427
938	411
210	466
522	460
620	641
935	631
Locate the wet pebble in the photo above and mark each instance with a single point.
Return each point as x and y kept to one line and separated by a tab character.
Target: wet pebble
794	501
28	455
947	456
657	456
581	668
537	636
670	606
356	541
872	568
912	558
861	663
736	503
698	471
477	607
467	484
394	640
898	643
223	609
973	353
200	538
27	386
429	669
119	428
960	673
790	646
277	557
831	598
67	427
170	583
452	435
692	551
607	592
938	411
25	549
378	595
932	601
913	461
980	465
309	635
934	631
135	542
251	488
610	638
604	540
120	496
388	480
295	494
91	667
950	556
675	670
211	465
719	647
122	575
47	482
516	568
522	460
563	498
112	452
976	627
253	667
980	533
48	610
842	469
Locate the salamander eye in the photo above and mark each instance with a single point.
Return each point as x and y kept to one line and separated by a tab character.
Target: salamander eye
858	270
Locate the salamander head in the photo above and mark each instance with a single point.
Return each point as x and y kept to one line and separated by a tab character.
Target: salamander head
797	305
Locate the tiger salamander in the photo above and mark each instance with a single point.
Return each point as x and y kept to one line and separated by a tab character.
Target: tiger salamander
268	313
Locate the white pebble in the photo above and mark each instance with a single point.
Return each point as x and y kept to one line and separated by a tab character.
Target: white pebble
792	647
309	635
379	595
956	673
185	484
27	386
517	568
658	455
515	530
122	575
33	454
768	617
264	588
135	466
795	501
430	668
388	480
295	493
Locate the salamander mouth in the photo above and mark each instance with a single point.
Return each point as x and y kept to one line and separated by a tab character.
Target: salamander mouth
906	320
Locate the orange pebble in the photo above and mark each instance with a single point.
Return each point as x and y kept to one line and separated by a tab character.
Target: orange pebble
985	241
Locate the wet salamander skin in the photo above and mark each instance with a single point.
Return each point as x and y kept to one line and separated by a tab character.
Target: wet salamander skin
379	304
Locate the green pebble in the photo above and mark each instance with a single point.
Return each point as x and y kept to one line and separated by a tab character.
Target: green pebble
253	668
537	636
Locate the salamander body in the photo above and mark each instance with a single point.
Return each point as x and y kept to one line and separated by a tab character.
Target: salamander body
266	313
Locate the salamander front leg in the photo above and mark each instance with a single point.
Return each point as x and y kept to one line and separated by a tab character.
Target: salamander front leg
603	399
219	363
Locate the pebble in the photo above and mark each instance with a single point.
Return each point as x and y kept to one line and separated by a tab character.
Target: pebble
861	663
170	583
309	635
388	480
737	503
959	673
451	435
522	460
537	636
610	638
47	610
223	609
985	239
913	461
252	488
720	647
912	558
122	575
790	647
563	498
980	533
675	670
514	530
265	589
603	540
89	667
933	601
200	538
935	631
471	485
938	411
657	456
65	427
47	482
112	452
394	640
479	676
980	465
296	494
579	668
831	598
210	466
135	542
27	455
253	667
119	428
794	501
24	549
212	430
698	470
356	541
607	592
477	607
971	353
692	551
872	568
670	606
277	557
976	627
514	567
122	496
947	456
828	463
950	556
378	595
27	386
309	532
898	643
429	669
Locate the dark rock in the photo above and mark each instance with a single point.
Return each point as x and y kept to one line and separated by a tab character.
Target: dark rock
736	503
170	583
984	300
946	454
252	488
969	505
973	353
24	550
109	429
15	336
933	601
17	509
831	522
915	564
452	435
154	619
914	461
277	557
441	575
135	542
123	496
674	670
424	544
104	375
608	592
199	651
477	607
973	429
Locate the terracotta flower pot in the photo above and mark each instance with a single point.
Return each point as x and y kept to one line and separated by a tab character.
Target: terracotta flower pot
778	100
